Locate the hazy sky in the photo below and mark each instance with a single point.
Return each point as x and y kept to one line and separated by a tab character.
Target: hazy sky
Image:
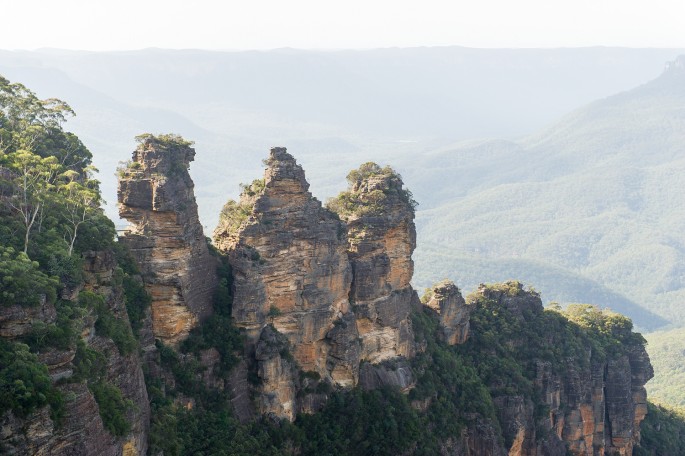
266	24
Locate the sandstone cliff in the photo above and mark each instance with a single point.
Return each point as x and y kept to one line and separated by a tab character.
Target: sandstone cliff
81	430
290	270
379	214
295	273
165	236
589	399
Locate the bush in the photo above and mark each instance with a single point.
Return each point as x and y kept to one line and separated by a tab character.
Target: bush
24	382
359	201
137	301
22	282
108	325
60	334
113	407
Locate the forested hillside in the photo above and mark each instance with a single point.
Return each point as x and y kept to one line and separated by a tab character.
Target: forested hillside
596	198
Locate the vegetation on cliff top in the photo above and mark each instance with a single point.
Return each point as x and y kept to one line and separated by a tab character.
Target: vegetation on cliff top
234	214
370	186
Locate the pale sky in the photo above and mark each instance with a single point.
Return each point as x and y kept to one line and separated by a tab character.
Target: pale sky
325	24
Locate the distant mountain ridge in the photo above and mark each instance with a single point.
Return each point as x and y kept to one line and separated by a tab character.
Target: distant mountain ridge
598	194
335	109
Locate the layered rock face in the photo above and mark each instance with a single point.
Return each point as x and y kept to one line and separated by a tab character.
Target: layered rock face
595	406
447	301
290	267
165	236
295	273
81	431
381	239
290	271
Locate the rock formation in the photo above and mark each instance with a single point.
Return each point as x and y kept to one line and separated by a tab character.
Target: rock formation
295	273
165	236
595	404
379	214
447	301
291	270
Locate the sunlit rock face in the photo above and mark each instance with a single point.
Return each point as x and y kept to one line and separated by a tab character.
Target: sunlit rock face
337	301
165	236
379	214
291	270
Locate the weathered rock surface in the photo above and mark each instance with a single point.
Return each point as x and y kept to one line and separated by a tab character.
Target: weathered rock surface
277	373
165	236
595	407
448	302
382	237
395	372
291	269
82	431
16	320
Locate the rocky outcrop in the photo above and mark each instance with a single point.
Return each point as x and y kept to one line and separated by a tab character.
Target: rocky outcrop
294	269
290	269
445	299
394	372
379	214
165	236
276	371
81	430
595	404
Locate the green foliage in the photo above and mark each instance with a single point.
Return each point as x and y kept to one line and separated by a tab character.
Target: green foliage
168	141
233	215
98	234
137	302
63	333
69	269
22	282
107	324
514	343
666	351
359	201
362	422
24	382
612	330
274	311
89	364
46	177
253	189
448	380
137	298
113	407
662	432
